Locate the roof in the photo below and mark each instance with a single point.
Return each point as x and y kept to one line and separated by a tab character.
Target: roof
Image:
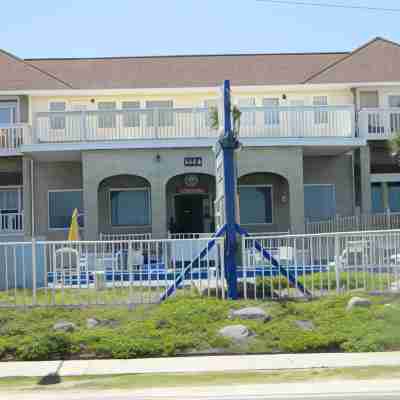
186	71
17	74
376	61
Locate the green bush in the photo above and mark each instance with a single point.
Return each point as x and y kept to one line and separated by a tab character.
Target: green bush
47	347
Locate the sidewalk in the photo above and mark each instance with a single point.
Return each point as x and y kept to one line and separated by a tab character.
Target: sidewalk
199	364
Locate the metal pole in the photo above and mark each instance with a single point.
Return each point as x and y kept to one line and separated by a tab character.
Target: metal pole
229	144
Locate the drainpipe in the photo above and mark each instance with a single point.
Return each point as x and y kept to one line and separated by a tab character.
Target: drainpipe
354	92
32	202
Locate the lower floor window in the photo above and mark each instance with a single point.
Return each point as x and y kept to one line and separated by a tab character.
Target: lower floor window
255	204
61	208
130	207
385	196
319	202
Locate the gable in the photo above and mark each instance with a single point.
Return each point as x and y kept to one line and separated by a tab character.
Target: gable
377	61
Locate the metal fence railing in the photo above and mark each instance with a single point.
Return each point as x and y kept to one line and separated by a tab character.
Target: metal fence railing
50	273
125	236
321	263
379	221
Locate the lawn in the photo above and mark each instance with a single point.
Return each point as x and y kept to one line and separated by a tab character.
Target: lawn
187	325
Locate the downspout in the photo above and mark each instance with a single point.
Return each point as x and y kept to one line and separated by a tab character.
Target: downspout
32	202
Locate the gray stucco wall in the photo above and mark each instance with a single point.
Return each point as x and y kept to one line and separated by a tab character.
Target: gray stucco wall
336	170
98	165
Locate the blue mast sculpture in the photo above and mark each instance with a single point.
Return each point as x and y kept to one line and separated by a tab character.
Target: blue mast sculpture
226	202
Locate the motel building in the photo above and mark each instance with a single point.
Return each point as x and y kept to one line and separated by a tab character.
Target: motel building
128	141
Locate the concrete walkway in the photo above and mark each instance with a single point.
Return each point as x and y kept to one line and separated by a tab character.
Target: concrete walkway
199	364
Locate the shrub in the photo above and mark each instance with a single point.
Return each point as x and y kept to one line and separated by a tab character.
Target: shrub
47	347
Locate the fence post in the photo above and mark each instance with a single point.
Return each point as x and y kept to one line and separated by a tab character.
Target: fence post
34	265
337	263
388	224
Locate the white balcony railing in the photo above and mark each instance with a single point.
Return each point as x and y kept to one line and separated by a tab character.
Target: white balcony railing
11	136
379	123
261	122
11	223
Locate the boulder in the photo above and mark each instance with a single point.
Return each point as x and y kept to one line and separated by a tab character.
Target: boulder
356	302
64	326
305	325
237	333
92	323
252	313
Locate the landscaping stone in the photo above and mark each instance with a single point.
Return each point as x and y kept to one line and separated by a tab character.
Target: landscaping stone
358	302
235	332
92	323
64	326
252	313
305	325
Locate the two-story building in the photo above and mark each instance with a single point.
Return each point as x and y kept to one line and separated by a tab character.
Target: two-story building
129	142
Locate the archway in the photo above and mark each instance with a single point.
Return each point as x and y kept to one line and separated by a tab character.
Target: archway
124	204
264	202
190	203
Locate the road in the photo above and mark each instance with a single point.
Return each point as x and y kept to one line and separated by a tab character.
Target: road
330	390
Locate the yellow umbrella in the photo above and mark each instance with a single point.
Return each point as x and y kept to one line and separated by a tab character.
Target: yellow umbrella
73	233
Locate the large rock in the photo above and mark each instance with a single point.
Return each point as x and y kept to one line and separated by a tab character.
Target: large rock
237	333
64	326
92	323
305	325
357	302
253	313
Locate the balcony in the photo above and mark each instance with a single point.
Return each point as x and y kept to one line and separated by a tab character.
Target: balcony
190	123
379	123
12	223
11	138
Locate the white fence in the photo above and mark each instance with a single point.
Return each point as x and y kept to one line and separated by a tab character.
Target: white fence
11	136
321	264
125	236
379	123
361	222
11	223
175	123
42	273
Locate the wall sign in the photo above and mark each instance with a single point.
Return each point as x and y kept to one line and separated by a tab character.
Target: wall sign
191	180
193	161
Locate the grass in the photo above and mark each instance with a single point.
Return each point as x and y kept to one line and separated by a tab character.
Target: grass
82	296
139	381
184	325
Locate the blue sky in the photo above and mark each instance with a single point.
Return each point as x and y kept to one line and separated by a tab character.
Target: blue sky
89	28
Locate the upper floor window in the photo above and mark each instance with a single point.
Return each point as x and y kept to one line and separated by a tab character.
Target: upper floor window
57	121
131	114
271	117
320	116
394	101
8	112
162	114
108	118
210	105
248	117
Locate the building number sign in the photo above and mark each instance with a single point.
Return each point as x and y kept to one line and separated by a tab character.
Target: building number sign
193	161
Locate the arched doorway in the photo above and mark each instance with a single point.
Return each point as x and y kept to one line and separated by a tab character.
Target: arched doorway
264	202
190	203
124	204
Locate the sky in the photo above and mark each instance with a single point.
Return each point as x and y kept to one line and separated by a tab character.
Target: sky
97	28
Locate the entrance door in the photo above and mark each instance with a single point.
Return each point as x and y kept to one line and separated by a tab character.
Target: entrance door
189	213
